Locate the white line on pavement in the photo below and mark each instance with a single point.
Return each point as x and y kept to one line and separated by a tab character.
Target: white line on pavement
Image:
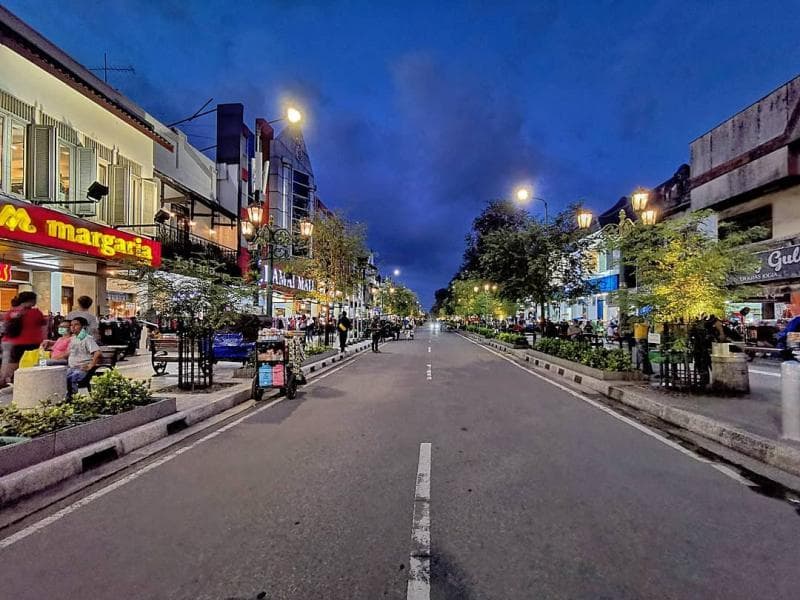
429	348
729	472
429	373
419	568
770	373
39	525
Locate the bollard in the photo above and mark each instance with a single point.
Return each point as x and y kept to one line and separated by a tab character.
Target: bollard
790	399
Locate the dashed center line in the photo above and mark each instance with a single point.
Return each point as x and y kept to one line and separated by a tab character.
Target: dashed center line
419	567
430	372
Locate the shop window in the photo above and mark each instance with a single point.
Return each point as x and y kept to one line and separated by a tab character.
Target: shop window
760	217
65	175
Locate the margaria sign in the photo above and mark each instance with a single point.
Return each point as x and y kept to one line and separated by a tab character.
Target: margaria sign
781	263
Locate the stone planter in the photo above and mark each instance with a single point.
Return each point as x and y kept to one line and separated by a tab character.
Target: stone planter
545	359
18	456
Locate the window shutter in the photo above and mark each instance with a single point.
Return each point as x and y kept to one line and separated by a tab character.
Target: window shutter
41	182
120	196
149	201
87	175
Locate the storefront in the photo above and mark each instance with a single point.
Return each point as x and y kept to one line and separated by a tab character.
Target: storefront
61	257
290	294
776	284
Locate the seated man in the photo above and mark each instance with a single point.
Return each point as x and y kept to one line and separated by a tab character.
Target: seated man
84	354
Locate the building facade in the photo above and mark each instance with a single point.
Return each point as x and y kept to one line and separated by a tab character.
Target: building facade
61	130
747	170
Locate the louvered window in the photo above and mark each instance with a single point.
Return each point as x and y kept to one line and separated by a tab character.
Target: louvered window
17	159
103	169
120	195
87	175
66	175
41	158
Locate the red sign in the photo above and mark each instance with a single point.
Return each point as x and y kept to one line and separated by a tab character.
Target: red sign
5	272
33	224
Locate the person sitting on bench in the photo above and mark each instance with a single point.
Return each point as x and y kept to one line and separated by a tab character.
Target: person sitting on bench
84	354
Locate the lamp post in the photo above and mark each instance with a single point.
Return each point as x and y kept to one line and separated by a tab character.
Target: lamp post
270	241
523	195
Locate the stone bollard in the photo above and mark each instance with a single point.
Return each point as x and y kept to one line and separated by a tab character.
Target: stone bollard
39	383
729	372
790	399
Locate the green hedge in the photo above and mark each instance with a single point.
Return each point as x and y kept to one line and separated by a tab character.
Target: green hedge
112	393
513	338
597	358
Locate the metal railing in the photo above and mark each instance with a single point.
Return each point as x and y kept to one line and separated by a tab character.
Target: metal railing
179	243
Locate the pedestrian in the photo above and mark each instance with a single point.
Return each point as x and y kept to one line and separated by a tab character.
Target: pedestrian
344	325
25	329
6	345
84	304
59	349
84	354
375	330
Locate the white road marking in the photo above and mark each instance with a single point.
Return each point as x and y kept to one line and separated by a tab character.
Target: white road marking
429	374
770	373
56	516
429	348
729	472
419	568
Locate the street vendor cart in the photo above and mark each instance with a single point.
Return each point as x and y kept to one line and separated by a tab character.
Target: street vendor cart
278	361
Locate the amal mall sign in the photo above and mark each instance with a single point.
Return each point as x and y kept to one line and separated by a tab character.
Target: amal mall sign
33	224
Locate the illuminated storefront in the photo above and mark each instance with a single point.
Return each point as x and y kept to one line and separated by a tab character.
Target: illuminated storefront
62	257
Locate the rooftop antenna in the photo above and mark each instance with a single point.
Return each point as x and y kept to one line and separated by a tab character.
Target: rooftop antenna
105	68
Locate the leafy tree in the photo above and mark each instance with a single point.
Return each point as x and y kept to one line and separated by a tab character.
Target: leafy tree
498	215
539	262
466	302
441	301
399	300
201	294
682	270
338	254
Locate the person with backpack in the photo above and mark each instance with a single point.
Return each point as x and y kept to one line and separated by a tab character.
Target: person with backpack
344	325
25	328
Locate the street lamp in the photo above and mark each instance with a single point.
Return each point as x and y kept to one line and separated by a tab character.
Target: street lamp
584	218
293	115
639	200
306	228
476	289
648	216
523	195
486	287
270	241
397	272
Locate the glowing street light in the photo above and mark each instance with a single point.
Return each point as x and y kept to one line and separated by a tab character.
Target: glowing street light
293	115
486	287
476	289
649	216
523	194
397	272
584	218
639	200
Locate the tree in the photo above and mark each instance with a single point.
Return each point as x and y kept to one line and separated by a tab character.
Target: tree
441	301
338	253
498	215
201	294
682	270
466	301
399	300
541	262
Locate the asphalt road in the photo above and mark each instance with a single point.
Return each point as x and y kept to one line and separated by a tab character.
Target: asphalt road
534	493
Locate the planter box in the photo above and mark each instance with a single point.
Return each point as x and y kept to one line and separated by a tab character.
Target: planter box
18	456
584	370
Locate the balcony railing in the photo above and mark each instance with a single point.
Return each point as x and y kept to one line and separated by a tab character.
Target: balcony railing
179	243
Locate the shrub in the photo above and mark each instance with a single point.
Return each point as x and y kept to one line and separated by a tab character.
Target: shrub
313	349
513	338
43	419
597	358
113	393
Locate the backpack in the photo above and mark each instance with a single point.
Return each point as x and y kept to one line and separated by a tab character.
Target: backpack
14	325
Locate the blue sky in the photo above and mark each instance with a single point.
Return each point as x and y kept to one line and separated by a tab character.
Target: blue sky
420	112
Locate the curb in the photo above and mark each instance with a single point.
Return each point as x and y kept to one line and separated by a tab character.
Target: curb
38	477
765	450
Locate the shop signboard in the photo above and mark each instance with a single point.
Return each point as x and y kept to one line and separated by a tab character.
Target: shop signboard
609	283
28	223
295	282
780	263
5	272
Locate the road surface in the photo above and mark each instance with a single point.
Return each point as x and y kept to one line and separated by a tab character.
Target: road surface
535	492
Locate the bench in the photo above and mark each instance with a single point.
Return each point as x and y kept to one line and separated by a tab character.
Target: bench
108	360
164	350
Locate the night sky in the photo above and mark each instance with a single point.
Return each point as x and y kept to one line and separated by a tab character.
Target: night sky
417	113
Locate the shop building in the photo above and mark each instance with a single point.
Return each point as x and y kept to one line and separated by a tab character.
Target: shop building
62	130
747	170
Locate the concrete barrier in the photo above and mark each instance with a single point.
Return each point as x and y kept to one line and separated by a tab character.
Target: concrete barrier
39	383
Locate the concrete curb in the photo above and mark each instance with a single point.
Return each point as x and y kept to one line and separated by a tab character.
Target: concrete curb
35	478
770	452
